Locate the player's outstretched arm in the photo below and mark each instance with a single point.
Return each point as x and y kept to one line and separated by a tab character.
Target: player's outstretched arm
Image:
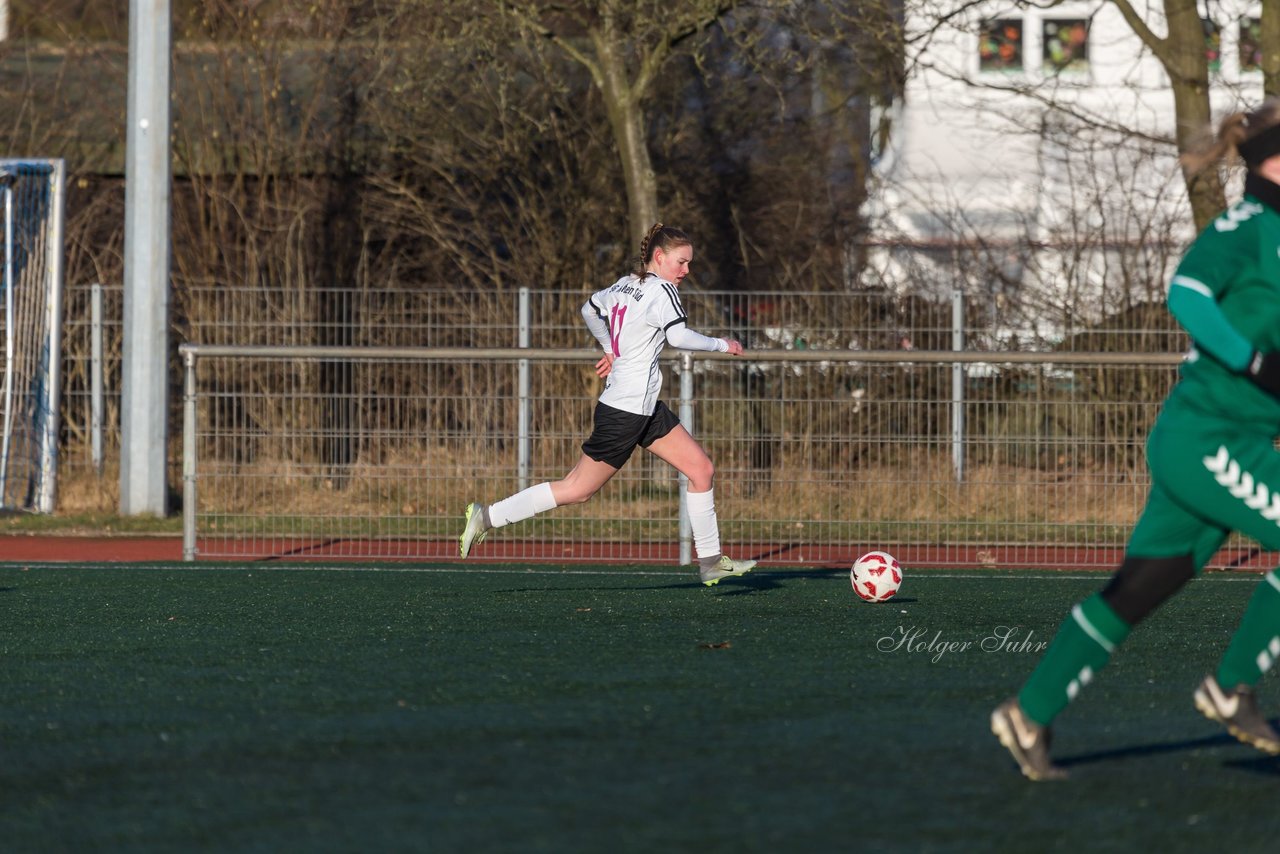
686	339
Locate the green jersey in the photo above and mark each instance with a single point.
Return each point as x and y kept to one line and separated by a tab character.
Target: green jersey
1234	268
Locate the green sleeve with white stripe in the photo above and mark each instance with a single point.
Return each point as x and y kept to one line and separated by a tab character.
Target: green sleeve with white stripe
1199	314
1207	270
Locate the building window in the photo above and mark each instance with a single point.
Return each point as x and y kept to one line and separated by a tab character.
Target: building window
1066	46
1250	44
1212	45
1000	45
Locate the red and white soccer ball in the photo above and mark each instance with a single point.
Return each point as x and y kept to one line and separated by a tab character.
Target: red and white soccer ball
876	576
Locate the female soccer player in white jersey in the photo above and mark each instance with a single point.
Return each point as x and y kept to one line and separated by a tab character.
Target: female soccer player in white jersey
633	319
1214	467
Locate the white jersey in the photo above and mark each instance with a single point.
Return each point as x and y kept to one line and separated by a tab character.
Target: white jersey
633	320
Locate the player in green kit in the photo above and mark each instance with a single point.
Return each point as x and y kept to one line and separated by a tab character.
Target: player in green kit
1214	468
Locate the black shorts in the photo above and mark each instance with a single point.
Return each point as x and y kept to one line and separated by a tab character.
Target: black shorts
616	434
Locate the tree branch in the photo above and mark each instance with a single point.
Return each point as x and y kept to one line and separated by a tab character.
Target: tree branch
542	30
654	59
1159	46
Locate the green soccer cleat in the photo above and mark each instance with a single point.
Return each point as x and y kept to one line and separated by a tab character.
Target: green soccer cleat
474	529
723	568
1237	711
1026	740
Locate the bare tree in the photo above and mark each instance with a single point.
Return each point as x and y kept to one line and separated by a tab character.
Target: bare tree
1181	52
625	46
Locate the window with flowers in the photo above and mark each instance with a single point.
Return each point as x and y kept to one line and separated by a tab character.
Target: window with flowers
1000	45
1066	46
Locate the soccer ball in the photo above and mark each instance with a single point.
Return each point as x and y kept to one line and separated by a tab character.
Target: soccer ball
876	576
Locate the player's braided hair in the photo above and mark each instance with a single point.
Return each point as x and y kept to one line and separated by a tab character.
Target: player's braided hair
1244	133
664	237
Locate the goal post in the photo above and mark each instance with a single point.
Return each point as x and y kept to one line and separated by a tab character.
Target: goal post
33	192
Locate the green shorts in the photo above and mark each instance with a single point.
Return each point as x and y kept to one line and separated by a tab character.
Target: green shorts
1208	479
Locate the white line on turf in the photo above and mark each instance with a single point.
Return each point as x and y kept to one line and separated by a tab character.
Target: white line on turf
915	576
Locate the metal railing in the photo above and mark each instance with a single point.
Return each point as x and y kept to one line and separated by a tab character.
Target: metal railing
944	457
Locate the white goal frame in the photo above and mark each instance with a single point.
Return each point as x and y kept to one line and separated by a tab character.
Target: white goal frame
31	252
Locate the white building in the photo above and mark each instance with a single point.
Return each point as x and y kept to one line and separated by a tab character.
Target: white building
1031	159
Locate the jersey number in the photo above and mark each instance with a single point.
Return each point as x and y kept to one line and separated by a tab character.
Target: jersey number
615	326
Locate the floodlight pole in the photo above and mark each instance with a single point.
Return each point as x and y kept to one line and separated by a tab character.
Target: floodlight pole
144	410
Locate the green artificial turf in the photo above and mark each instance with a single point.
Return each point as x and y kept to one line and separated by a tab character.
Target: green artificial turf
499	708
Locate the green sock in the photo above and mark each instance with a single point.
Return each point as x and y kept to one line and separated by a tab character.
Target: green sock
1082	647
1256	644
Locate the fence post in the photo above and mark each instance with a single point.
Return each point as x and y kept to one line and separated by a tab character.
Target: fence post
957	385
9	320
523	444
50	411
96	406
189	492
686	419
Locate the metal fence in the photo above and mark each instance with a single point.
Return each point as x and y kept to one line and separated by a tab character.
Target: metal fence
535	317
944	458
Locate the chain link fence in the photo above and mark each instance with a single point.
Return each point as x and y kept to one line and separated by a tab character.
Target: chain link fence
1020	450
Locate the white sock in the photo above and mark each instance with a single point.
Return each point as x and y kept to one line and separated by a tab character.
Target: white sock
703	524
522	505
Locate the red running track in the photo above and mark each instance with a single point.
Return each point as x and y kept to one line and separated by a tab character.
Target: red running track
75	549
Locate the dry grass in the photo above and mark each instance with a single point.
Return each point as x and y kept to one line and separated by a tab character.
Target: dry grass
423	489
